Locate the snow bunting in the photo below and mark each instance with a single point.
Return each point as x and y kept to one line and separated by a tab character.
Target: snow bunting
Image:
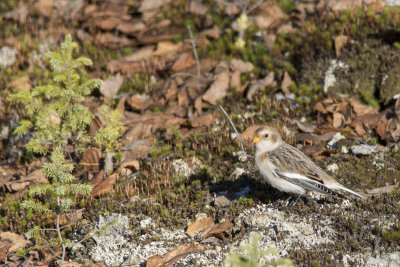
287	169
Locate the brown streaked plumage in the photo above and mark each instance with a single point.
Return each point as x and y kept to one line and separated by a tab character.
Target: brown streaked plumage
288	169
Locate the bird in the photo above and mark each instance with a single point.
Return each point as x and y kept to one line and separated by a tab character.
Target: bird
288	169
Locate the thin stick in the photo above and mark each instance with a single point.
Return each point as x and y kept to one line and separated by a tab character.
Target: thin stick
196	57
234	128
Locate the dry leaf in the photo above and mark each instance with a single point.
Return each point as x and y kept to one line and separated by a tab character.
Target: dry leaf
174	255
141	54
4	247
236	81
382	190
131	67
240	65
20	83
340	41
268	15
17	241
218	230
184	61
91	159
113	41
37	177
286	81
218	88
167	48
139	102
131	164
44	7
18	14
269	80
214	32
109	88
105	186
361	109
152	5
311	139
136	150
204	120
131	27
199	226
107	24
338	120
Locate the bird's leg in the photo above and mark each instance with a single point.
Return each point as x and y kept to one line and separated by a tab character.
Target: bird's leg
297	199
287	201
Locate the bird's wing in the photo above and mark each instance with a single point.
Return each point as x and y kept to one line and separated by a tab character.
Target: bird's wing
292	165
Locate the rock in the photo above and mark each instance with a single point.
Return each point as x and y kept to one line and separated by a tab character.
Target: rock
240	65
242	156
238	172
332	167
338	136
363	149
147	223
7	56
222	201
109	88
330	78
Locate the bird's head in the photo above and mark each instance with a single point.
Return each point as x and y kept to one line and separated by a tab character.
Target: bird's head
266	139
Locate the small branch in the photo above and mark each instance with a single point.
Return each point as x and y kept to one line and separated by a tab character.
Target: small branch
196	57
234	128
254	6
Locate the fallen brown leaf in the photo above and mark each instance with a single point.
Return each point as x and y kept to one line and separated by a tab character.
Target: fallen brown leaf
184	61
174	255
204	120
44	7
17	241
340	41
91	159
381	190
105	186
139	102
110	87
167	48
20	83
220	229
129	67
144	53
218	89
199	226
286	81
131	164
18	14
131	27
107	24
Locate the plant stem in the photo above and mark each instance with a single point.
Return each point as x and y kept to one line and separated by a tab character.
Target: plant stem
59	233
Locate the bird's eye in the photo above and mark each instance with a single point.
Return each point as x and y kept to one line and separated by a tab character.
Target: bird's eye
266	135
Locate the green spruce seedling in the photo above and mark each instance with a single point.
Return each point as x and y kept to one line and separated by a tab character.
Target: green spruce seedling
59	193
55	112
107	136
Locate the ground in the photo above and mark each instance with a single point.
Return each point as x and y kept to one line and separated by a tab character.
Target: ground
179	189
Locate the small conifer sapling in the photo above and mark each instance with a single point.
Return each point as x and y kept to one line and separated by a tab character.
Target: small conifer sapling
55	111
57	197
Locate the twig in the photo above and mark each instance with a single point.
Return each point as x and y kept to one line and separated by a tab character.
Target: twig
196	57
234	128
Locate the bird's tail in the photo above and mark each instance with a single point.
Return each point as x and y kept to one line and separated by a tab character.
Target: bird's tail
341	187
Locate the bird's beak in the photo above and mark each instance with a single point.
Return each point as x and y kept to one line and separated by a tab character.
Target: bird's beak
256	140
